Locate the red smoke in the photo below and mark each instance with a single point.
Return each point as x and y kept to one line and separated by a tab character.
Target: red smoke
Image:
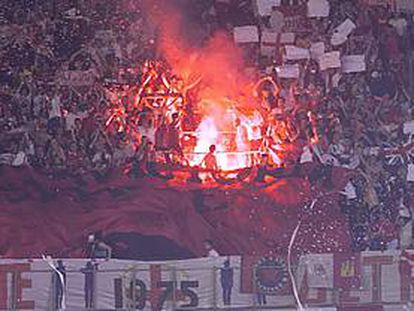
219	62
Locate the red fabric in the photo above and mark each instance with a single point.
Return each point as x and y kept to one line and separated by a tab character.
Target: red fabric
42	215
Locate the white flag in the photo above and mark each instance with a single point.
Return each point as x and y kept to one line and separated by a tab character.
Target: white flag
342	32
318	8
330	60
264	7
296	53
246	34
317	49
288	71
353	63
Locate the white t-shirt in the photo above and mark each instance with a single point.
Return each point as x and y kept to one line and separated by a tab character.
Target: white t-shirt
71	117
55	110
406	235
20	159
350	191
400	25
38	103
306	155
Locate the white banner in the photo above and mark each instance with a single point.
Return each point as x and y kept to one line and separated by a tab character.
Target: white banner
386	277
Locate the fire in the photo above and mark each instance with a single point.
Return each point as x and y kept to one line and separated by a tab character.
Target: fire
230	133
211	78
230	118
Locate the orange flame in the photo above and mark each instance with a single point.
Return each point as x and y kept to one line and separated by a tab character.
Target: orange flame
230	118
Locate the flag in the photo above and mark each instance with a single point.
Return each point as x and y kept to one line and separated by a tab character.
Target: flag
267	274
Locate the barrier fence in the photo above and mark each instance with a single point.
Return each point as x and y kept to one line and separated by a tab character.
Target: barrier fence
369	281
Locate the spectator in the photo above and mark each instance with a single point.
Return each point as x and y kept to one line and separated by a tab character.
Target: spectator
97	248
92	121
90	274
211	252
59	280
226	280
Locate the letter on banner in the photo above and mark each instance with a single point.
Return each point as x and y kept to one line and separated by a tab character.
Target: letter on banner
295	53
246	34
353	63
20	284
288	71
320	270
330	60
318	8
264	7
376	263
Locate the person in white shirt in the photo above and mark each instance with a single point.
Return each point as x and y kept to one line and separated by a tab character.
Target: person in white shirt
211	252
55	114
55	107
400	24
71	117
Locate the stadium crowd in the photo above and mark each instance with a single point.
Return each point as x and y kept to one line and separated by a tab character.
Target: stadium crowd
57	59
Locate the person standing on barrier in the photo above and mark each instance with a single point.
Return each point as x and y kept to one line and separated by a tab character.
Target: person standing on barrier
210	162
89	272
59	287
260	294
261	299
226	280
